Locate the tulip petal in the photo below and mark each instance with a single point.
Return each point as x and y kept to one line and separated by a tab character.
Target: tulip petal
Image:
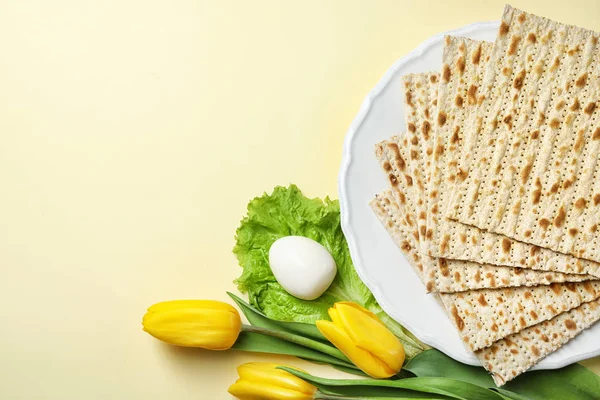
369	333
194	323
364	360
262	372
248	390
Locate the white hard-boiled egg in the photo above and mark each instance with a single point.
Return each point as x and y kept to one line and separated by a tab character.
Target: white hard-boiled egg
303	267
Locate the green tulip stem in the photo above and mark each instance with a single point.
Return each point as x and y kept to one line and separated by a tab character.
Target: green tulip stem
301	340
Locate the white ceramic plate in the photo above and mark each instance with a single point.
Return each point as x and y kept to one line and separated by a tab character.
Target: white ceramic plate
378	261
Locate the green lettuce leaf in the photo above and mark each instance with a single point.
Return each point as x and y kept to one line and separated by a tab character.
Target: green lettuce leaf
288	212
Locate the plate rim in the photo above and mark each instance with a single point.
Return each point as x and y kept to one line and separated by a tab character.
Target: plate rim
343	197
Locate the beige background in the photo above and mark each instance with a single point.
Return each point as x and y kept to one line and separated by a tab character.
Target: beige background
133	135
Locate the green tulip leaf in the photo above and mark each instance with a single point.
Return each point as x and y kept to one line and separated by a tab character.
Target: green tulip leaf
440	386
258	343
257	318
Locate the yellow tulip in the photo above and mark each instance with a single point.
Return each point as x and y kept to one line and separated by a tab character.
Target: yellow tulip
364	339
262	381
208	324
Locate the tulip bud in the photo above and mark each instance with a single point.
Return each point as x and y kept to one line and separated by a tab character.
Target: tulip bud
208	324
364	339
264	381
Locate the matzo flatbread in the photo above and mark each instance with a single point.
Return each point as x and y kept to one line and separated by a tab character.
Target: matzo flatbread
464	61
420	100
487	315
515	354
531	172
460	276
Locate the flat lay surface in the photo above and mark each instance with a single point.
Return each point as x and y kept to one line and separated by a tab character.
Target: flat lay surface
135	133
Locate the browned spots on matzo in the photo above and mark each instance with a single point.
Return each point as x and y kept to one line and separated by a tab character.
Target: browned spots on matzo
555	64
460	64
408	99
482	300
476	55
535	134
427	114
462	174
405	246
514	42
567	183
596	199
508	121
544	223
559	220
460	324
411	127
463	238
576	105
402	197
422	215
472	94
518	81
573	231
393	179
526	171
521	18
554	123
580	203
477	276
503	30
570	324
422	230
589	109
579	141
594	228
457	276
596	134
522	321
581	81
433	194
533	314
446	74
454	137
439	150
506	245
537	193
528	295
441	119
429	234
409	180
555	288
433	78
527	233
414	141
414	155
458	100
387	167
444	243
560	104
494	327
426	129
535	350
554	188
531	37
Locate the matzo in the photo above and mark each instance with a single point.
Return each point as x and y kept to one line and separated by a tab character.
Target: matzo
515	354
440	274
532	173
463	65
459	276
485	316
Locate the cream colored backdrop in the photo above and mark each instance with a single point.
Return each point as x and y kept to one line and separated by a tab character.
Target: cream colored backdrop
133	133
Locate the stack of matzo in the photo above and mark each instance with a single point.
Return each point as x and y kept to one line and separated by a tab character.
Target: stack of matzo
494	191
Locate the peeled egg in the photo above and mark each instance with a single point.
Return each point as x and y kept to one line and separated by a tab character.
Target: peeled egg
303	267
